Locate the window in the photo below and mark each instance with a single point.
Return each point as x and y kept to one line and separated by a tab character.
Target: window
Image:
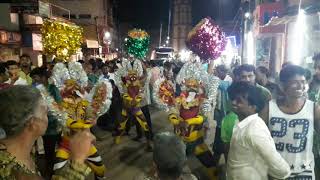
84	16
266	17
72	16
14	18
175	32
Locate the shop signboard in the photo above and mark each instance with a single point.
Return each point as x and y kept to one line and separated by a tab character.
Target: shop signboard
265	14
266	11
3	37
14	38
9	37
92	44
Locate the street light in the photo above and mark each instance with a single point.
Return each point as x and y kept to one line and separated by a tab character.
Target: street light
300	31
107	35
107	38
250	47
247	15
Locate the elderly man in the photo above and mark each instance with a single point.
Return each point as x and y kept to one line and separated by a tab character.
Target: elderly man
23	114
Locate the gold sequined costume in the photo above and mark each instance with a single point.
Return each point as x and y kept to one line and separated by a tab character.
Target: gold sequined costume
80	117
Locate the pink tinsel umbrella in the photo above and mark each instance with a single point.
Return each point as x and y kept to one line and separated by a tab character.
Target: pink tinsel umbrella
206	40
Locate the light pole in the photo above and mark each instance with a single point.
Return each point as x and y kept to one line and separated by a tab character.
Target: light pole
247	38
245	12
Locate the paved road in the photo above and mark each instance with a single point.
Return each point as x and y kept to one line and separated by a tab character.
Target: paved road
128	159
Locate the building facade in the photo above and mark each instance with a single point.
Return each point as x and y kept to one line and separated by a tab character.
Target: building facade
181	23
280	34
10	37
96	18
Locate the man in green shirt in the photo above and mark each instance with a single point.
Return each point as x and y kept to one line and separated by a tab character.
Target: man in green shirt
246	73
92	78
227	125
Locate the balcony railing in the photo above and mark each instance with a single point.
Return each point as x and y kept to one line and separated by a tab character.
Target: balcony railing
58	11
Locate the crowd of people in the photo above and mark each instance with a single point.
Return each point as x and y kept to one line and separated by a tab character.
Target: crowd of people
265	128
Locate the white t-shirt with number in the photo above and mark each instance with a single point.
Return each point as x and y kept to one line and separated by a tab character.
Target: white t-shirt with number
293	137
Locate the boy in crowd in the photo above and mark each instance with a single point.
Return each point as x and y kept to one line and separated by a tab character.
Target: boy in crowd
252	154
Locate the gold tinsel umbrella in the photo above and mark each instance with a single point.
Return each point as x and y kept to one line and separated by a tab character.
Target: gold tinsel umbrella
61	39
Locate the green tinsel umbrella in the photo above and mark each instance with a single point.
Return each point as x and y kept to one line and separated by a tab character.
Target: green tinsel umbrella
137	43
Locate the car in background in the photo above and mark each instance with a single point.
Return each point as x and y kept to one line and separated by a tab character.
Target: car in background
162	53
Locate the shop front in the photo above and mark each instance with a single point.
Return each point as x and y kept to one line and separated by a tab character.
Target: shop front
10	43
269	35
285	38
90	47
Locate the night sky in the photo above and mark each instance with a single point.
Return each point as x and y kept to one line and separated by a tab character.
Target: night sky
148	13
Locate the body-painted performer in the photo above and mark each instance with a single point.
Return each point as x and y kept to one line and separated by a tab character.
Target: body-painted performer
129	79
81	111
198	92
189	109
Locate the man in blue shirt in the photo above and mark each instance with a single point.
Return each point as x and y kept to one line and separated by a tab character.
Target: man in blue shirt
220	111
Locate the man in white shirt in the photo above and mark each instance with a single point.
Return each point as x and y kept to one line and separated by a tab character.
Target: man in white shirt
252	155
